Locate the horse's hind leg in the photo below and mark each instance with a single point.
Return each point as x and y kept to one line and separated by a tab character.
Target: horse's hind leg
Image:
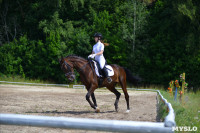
118	94
123	85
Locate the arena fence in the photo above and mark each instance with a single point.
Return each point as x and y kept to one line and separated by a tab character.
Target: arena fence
78	86
95	124
170	118
25	83
84	124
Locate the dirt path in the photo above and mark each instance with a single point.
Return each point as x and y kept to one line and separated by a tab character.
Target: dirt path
60	101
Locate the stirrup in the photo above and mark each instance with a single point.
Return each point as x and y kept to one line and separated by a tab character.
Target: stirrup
109	80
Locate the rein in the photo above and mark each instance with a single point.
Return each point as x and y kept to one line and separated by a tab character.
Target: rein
89	61
80	69
69	67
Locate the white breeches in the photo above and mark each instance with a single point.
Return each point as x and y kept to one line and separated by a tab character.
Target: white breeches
102	62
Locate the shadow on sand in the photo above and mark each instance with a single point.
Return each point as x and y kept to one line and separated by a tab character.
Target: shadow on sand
68	112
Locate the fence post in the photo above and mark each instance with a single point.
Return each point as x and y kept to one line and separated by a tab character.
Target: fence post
175	94
183	87
183	83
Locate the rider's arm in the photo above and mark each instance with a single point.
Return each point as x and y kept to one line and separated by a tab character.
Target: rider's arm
101	52
101	48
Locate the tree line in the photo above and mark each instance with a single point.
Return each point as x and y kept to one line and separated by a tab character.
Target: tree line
156	39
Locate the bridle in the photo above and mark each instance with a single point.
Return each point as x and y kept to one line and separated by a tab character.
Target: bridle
69	67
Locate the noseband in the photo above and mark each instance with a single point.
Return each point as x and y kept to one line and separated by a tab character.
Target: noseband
68	67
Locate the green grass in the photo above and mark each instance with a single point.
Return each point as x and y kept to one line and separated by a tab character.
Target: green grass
188	112
17	78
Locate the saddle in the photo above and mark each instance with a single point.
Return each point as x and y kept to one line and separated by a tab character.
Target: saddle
99	72
98	69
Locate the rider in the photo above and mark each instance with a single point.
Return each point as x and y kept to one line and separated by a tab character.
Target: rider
97	52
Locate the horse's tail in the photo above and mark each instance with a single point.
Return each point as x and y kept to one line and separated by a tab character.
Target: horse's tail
135	80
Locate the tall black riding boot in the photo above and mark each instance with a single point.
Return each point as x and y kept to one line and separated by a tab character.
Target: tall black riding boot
105	72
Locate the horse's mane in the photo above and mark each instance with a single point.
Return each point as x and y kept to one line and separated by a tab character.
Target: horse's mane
76	56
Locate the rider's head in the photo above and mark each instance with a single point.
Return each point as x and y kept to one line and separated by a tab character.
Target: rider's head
97	37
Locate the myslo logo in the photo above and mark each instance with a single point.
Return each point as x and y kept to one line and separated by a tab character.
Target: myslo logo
184	128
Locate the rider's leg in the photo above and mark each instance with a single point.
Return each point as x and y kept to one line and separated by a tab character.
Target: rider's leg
102	62
105	72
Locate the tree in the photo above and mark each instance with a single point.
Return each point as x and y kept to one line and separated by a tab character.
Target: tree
174	45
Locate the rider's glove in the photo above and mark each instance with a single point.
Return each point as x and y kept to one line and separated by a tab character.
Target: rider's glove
92	56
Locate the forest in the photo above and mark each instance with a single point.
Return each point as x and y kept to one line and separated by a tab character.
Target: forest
156	39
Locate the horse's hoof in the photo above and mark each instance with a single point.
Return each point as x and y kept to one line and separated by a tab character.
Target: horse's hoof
116	109
97	110
127	111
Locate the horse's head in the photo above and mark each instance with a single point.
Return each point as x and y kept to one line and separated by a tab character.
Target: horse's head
67	67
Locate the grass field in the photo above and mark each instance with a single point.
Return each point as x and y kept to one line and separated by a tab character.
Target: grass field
20	79
188	112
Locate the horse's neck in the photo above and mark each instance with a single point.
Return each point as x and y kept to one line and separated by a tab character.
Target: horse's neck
79	63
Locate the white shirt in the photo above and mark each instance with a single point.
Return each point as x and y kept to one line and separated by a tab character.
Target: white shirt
98	47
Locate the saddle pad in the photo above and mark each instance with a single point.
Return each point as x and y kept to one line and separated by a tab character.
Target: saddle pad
109	68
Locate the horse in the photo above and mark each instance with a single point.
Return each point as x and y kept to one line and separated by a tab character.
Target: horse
90	80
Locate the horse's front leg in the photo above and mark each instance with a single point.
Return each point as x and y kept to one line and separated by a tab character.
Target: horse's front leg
91	93
88	99
94	99
95	103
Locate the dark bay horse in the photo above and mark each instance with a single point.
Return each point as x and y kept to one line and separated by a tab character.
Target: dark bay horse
90	79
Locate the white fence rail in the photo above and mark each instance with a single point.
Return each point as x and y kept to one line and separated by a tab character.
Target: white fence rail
25	83
85	124
78	86
170	118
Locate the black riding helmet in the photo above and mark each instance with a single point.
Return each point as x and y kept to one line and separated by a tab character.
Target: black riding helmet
98	35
